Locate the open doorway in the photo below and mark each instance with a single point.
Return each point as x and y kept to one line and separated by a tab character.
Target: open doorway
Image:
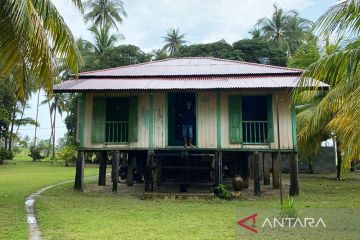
176	105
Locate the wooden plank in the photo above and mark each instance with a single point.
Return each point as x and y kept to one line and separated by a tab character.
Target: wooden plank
294	184
115	170
102	168
79	174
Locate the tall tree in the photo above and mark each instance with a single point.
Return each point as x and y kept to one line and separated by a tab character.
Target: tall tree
261	51
285	29
105	12
338	111
219	49
173	40
305	55
103	39
33	36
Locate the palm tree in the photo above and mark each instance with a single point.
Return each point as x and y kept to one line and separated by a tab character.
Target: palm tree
105	12
173	40
103	39
56	103
256	33
285	29
338	111
33	35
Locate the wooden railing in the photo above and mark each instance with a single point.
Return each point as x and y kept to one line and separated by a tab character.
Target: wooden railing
117	131
255	132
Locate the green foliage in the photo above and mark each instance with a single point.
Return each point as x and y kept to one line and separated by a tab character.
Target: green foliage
222	192
285	29
6	154
104	12
220	49
357	166
34	40
36	153
288	209
173	41
255	49
121	55
68	154
305	55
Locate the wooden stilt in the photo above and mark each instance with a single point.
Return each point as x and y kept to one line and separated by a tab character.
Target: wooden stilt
79	175
102	168
153	173
130	174
158	174
115	170
218	165
276	170
261	165
256	173
148	171
267	166
245	172
294	184
250	166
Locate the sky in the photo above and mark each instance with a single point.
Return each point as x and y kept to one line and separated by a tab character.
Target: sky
202	21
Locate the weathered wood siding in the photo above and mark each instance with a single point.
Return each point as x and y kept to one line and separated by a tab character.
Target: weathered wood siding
285	121
143	121
160	120
206	120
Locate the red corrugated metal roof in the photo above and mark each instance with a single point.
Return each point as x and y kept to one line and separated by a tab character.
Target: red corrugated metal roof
191	67
183	74
193	83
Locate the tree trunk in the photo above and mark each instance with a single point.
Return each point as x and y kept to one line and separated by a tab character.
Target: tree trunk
53	132
13	117
37	115
22	115
51	126
339	162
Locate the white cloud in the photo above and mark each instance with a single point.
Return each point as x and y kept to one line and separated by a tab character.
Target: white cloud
202	21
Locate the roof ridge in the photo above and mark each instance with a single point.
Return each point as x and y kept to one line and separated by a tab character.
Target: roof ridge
209	58
127	66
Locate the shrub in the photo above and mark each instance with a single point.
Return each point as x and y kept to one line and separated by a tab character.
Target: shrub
357	166
288	209
6	154
68	154
222	192
36	153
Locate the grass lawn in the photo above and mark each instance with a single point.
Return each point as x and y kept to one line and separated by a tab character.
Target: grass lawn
107	216
65	214
19	178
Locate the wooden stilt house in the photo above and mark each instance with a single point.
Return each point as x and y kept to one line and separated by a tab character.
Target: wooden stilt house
243	121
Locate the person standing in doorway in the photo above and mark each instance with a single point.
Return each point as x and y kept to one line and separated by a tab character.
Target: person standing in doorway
188	120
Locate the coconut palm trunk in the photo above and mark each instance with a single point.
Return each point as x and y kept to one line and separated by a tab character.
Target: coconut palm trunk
54	129
13	118
36	117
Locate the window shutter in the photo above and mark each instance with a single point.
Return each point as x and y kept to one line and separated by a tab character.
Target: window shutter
235	119
98	121
133	119
270	118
